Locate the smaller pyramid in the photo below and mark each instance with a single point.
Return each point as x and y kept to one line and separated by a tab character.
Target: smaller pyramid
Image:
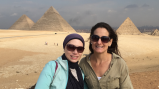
155	32
128	28
23	23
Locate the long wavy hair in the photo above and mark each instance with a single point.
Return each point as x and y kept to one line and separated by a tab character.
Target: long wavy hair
112	34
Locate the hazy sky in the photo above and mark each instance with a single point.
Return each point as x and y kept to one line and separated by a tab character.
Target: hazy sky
83	13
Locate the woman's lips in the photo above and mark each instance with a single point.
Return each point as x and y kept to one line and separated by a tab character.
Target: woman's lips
74	57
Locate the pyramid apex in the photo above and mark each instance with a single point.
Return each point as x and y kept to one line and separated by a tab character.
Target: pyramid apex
128	18
155	32
52	9
23	15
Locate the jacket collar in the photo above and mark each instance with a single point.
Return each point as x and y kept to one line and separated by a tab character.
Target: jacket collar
115	56
63	63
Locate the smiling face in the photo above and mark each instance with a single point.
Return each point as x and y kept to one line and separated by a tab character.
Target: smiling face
73	56
99	46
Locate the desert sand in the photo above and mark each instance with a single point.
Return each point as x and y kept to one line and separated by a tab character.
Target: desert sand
23	54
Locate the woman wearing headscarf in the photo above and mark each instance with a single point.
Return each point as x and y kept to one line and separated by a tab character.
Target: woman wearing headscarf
64	72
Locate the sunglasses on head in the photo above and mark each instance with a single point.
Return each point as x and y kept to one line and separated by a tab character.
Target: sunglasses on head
104	39
71	47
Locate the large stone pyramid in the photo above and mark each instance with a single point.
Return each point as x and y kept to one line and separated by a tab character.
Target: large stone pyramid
128	28
52	21
23	23
155	32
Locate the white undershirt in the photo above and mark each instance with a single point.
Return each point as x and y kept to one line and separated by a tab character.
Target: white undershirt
74	73
99	78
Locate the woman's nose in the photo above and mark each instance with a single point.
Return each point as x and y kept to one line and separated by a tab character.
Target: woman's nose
75	51
99	41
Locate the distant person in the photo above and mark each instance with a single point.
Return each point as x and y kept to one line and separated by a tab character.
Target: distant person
103	67
64	72
57	44
45	43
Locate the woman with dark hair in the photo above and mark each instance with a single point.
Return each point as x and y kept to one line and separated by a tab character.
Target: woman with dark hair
103	67
64	72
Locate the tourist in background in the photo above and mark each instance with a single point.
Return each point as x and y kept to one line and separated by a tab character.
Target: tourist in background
64	72
103	67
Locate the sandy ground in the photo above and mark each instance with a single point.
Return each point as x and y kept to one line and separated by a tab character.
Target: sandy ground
23	54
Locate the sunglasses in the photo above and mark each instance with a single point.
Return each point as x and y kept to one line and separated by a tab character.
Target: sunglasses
104	39
71	47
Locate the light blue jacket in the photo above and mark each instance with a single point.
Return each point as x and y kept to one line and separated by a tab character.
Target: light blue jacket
60	78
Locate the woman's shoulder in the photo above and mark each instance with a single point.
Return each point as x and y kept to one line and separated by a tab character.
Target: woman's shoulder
84	59
118	58
120	62
53	62
50	65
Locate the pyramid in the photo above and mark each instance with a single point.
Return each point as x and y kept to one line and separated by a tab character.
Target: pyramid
128	28
23	23
155	32
52	21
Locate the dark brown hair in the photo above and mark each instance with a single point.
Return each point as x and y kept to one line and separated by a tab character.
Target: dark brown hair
112	34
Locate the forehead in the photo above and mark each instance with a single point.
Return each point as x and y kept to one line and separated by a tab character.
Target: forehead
101	32
75	42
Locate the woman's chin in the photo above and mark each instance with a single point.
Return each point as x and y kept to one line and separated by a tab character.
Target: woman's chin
73	61
99	52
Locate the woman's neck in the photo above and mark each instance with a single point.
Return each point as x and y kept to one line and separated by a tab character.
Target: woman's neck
100	58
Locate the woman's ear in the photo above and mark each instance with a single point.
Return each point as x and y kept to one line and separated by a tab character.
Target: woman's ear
110	42
90	41
64	50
